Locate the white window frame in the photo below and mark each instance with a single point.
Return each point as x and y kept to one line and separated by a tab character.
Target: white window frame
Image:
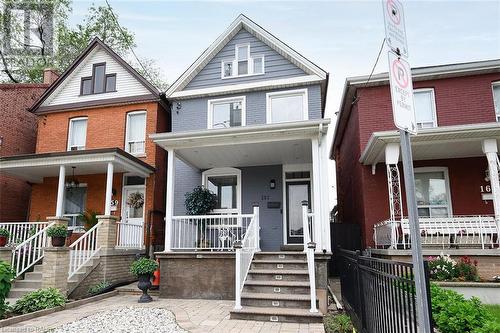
74	217
286	93
70	133
225	172
250	60
212	102
127	149
433	101
497	115
446	181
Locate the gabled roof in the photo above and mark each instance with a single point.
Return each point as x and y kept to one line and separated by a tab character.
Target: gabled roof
265	36
92	45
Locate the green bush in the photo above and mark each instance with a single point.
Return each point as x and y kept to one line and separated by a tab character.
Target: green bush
39	300
7	275
4	232
443	268
143	266
200	201
337	323
89	218
58	230
466	270
99	287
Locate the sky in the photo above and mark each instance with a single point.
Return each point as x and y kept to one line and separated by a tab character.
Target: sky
342	37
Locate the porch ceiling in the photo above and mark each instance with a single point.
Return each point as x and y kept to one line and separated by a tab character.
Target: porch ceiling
435	143
35	167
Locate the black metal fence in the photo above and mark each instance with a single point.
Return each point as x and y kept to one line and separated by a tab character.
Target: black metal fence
379	294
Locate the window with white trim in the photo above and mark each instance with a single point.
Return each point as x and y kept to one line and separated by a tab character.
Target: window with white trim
136	133
496	99
225	183
74	204
425	108
226	112
243	63
286	106
77	134
432	190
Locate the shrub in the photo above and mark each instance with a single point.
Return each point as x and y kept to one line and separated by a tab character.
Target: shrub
452	313
6	277
4	232
143	266
200	201
99	287
39	300
337	323
89	218
441	268
466	270
58	230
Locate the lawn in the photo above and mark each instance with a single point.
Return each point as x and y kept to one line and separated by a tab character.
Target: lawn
494	310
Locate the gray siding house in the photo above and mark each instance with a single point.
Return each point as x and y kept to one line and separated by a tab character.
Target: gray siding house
247	123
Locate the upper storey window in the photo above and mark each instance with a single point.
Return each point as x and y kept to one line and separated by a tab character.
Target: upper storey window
77	134
496	99
99	82
425	108
226	112
136	133
286	106
243	64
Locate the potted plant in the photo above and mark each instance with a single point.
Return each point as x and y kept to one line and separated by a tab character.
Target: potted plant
89	218
4	237
144	268
200	201
58	234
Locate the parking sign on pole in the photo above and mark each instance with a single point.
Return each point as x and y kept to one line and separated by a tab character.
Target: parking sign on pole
395	30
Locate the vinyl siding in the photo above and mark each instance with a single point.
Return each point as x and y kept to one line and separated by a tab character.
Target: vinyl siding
69	90
276	66
193	114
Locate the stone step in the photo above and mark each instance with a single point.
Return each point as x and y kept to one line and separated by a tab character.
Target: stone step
278	275
33	276
295	301
267	288
279	264
33	284
19	292
275	314
38	268
281	255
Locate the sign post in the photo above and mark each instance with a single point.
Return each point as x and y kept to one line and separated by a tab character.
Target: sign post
404	118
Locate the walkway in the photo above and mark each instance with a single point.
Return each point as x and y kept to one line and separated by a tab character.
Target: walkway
196	316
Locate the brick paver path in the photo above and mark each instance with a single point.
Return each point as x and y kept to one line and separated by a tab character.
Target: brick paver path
196	316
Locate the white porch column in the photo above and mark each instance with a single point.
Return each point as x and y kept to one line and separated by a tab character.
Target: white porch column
109	189
394	189
324	152
60	191
316	199
169	205
490	148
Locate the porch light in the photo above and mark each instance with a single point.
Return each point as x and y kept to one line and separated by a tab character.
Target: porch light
72	182
272	184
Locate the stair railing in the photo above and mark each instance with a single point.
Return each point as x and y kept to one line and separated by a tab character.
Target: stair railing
309	248
245	250
30	251
83	249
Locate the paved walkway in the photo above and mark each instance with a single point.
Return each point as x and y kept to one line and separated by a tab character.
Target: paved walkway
196	316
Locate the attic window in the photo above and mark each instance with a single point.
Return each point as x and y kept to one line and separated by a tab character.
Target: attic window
99	82
243	63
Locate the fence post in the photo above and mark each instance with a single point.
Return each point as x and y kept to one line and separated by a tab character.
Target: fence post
311	246
305	224
359	295
237	302
257	227
429	296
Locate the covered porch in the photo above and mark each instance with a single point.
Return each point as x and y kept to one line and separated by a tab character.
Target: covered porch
457	187
260	174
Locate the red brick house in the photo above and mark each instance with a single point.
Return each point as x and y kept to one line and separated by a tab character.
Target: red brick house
18	129
455	158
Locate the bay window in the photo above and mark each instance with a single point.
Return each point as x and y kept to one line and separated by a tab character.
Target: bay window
77	134
432	189
286	106
226	112
425	108
136	133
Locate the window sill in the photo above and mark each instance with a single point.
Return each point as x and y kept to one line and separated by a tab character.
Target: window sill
104	92
240	76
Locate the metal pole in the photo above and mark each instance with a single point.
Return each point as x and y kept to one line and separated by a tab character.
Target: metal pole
423	315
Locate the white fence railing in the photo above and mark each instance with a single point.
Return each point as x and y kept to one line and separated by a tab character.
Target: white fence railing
458	231
244	254
309	248
83	249
20	231
208	232
129	235
30	251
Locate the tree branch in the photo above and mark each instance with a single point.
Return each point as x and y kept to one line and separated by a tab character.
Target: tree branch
7	71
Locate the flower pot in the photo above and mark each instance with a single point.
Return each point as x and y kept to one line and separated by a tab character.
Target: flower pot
144	284
58	241
3	241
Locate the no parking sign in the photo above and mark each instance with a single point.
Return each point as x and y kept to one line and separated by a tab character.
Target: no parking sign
395	31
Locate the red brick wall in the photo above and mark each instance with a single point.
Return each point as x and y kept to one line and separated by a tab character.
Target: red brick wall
18	134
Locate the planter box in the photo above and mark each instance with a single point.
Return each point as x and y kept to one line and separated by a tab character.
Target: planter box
487	292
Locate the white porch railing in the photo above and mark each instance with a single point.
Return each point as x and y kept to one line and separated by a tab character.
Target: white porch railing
83	249
30	251
208	232
244	254
20	231
458	231
129	235
309	248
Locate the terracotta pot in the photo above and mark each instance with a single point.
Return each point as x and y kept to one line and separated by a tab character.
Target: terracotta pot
3	241
144	284
58	241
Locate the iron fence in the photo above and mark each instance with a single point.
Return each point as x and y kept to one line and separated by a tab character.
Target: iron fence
379	294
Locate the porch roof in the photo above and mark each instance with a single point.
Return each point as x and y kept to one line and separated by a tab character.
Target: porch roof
434	143
34	167
283	143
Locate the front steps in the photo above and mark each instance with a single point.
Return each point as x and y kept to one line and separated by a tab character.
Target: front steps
277	289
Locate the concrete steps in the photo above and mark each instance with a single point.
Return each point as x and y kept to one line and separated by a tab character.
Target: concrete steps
277	289
32	281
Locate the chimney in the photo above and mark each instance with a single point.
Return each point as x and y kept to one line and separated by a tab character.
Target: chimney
49	75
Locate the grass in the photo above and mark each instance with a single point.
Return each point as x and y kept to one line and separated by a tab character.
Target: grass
494	310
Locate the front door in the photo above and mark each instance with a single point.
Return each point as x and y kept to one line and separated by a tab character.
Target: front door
131	230
296	192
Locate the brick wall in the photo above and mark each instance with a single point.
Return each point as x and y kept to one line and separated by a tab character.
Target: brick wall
18	135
